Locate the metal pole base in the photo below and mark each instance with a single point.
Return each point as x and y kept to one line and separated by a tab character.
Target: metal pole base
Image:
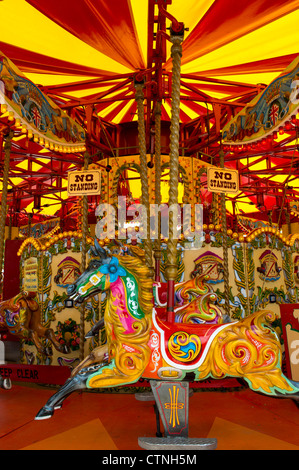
172	405
149	396
176	443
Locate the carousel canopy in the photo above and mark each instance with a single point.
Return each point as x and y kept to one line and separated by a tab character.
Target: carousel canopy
84	56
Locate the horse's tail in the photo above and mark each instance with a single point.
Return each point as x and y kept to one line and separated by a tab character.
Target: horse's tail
249	349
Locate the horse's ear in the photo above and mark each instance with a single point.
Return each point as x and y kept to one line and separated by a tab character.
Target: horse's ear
100	250
93	251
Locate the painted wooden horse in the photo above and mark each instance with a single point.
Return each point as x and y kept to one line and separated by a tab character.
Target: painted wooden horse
21	316
141	343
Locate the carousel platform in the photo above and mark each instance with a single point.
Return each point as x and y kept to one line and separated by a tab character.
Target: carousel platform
239	420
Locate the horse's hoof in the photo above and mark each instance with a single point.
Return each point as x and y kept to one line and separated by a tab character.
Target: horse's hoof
44	413
90	334
7	384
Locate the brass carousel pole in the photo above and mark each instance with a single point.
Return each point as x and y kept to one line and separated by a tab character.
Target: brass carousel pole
7	149
171	267
83	261
157	244
139	97
225	248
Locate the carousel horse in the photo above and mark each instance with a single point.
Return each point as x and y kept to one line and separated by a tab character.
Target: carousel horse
141	343
21	316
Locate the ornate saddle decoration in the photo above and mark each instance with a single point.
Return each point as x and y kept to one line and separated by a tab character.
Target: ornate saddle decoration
185	345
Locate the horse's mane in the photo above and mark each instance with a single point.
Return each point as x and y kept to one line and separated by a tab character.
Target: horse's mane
143	277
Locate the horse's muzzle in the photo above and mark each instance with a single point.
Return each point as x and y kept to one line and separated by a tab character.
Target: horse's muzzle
76	298
71	289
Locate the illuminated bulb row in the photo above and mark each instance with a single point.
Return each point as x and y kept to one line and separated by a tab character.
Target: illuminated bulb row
293	238
285	128
56	147
293	212
40	139
216	227
271	230
39	247
31	240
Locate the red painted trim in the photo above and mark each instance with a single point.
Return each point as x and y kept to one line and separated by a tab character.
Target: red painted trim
52	375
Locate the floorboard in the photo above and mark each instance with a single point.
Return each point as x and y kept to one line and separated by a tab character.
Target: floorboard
239	419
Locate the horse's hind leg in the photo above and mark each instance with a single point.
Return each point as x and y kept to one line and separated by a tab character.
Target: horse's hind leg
97	356
70	386
78	382
47	333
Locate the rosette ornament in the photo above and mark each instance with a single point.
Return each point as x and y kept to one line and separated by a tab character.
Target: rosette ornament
113	269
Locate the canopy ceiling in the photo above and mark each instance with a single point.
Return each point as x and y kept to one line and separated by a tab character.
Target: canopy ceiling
85	54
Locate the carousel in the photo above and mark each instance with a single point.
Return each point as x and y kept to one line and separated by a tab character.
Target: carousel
149	243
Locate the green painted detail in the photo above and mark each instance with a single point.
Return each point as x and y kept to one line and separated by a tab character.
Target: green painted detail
131	288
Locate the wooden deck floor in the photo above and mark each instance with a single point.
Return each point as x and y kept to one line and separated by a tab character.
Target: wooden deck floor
240	420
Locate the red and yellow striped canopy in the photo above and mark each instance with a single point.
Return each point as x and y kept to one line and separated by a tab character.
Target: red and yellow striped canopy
88	50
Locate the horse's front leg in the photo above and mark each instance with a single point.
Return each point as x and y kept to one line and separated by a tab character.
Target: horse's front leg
77	382
50	335
97	356
40	331
5	383
34	336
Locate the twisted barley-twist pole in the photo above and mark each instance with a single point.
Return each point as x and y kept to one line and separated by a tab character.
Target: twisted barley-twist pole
139	97
157	244
83	260
225	248
7	149
171	268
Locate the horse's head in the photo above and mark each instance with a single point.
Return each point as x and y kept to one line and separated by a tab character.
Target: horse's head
100	273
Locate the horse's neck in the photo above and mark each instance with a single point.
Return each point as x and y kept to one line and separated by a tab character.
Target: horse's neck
11	304
123	306
9	309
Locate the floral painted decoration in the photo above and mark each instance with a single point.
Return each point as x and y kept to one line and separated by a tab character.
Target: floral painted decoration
68	333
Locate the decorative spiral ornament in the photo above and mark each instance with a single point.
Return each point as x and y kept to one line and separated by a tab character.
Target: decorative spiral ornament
184	347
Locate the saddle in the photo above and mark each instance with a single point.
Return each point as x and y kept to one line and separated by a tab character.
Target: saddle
184	345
